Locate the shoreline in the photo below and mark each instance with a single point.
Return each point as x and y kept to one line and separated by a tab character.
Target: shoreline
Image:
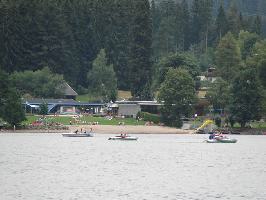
129	129
109	129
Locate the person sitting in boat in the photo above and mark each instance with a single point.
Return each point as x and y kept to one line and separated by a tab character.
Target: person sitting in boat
211	136
217	134
123	135
76	131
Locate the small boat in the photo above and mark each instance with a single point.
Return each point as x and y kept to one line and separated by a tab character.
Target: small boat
123	137
78	135
221	140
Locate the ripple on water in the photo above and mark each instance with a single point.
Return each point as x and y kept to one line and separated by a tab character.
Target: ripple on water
155	167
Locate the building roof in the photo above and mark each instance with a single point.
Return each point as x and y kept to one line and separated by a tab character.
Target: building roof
202	94
60	102
69	90
148	103
52	103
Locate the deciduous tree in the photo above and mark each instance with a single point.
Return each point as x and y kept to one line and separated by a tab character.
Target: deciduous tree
246	101
177	93
219	94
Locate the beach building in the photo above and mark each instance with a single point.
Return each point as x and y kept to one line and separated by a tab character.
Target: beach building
62	106
211	74
131	108
69	92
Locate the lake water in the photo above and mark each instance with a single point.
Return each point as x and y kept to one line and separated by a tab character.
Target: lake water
49	166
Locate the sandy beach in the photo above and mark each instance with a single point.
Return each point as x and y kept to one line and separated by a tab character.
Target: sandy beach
110	129
131	129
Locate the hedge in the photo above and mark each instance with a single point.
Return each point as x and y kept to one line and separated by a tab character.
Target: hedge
149	117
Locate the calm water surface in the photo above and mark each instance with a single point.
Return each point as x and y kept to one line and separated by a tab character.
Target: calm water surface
49	166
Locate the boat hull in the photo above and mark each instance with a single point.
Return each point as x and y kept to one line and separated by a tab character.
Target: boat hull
221	140
77	135
123	138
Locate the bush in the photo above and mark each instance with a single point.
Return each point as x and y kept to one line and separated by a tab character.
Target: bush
81	90
232	121
218	121
43	109
149	117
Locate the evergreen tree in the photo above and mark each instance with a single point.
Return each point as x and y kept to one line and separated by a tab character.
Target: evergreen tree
185	25
43	109
201	21
207	20
79	20
4	84
233	20
196	22
221	23
166	37
117	48
102	80
256	27
155	26
11	35
140	48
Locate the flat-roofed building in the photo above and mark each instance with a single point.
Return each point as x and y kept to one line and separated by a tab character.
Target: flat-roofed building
131	108
63	106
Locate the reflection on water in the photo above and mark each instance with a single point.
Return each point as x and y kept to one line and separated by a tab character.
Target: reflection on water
49	166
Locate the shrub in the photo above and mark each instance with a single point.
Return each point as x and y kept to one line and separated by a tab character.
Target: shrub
149	117
218	121
43	109
232	121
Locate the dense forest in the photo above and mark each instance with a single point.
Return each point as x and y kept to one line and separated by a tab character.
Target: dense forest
67	35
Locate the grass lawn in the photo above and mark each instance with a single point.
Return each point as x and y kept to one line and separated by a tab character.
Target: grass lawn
87	98
87	119
123	95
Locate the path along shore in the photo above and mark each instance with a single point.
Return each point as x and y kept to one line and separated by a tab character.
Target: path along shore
110	129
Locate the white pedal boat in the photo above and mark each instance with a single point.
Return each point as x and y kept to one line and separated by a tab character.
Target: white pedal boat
119	137
78	135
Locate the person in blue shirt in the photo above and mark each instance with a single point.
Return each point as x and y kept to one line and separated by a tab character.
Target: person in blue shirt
211	136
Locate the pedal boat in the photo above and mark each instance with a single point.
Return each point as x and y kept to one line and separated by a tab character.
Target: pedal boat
119	137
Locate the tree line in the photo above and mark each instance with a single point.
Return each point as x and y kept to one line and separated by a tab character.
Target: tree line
67	35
